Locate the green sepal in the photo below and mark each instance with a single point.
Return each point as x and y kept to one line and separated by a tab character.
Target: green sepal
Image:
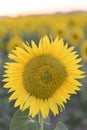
22	121
60	126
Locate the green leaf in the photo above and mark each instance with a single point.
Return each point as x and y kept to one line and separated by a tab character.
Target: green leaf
22	121
60	126
47	121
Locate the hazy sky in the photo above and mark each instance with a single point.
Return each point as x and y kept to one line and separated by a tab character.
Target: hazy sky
17	7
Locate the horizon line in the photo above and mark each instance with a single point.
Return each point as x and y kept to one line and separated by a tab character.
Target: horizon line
39	14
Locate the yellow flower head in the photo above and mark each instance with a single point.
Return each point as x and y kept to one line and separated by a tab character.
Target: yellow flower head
84	50
3	31
59	29
74	36
13	43
43	77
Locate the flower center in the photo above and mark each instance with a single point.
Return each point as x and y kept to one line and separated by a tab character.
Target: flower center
43	75
86	50
75	36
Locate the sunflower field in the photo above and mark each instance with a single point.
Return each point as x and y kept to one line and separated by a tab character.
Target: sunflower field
72	28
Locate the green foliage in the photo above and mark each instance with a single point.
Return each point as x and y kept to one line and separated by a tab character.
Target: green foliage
22	121
60	126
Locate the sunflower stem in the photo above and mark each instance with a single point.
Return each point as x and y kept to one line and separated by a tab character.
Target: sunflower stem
40	120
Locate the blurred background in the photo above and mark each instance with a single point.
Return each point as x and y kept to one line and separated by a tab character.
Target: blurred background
29	20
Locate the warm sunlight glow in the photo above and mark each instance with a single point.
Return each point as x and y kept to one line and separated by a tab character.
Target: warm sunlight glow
19	7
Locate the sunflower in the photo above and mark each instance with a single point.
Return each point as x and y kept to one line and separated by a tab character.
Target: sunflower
3	32
84	50
75	36
13	43
43	77
59	29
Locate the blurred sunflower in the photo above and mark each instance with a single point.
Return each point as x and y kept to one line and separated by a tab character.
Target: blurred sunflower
13	43
2	46
74	36
71	22
84	50
59	29
3	32
43	78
